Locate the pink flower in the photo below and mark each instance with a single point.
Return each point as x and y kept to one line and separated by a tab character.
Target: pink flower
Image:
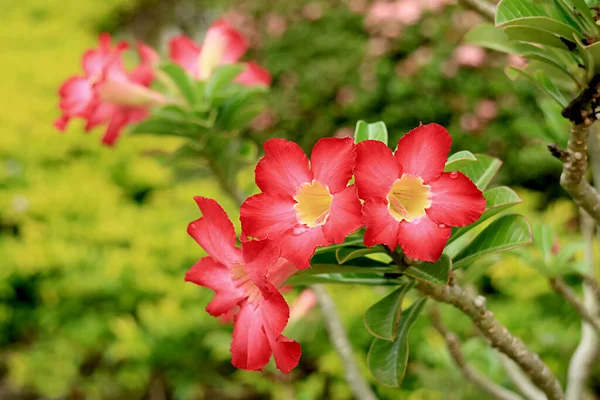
244	280
302	207
222	45
305	302
106	93
409	200
469	55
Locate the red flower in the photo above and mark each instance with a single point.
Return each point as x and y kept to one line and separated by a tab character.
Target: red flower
409	200
222	45
300	207
106	93
245	283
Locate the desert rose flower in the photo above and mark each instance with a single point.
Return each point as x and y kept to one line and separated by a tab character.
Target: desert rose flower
106	93
302	207
223	45
409	200
245	282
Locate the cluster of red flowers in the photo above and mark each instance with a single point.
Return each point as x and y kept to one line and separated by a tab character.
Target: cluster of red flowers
402	198
108	94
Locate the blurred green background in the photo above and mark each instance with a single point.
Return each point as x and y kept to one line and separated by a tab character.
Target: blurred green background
93	248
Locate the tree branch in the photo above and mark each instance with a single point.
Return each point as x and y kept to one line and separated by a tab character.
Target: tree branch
486	10
520	380
478	379
339	340
497	334
560	287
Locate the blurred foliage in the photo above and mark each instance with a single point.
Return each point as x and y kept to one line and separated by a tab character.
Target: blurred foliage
93	243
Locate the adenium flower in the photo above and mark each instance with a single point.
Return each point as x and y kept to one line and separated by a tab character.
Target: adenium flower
302	207
223	45
245	283
409	200
106	93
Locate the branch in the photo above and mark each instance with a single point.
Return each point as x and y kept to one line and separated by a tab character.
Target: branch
574	161
486	10
521	381
339	339
454	348
560	287
497	334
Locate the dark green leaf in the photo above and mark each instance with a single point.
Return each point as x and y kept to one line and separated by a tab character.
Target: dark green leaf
539	36
437	273
546	24
483	171
345	254
458	160
374	131
346	278
382	318
387	360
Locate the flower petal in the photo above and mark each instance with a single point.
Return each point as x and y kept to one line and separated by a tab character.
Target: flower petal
215	232
287	352
332	162
76	93
263	215
344	217
455	200
423	152
382	228
299	248
185	52
115	126
259	257
235	44
147	54
423	239
254	75
250	347
283	169
213	275
376	169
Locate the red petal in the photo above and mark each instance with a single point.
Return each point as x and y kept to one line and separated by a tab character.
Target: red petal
214	232
76	93
376	169
299	248
286	352
213	275
423	239
382	228
332	162
235	44
254	75
455	200
263	215
280	272
259	256
250	347
147	54
283	169
113	131
424	151
344	216
185	52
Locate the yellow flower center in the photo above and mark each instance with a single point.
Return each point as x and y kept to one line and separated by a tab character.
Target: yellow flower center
313	203
241	280
409	198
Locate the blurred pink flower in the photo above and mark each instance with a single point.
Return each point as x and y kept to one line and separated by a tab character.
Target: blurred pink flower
487	110
469	55
305	302
408	11
516	61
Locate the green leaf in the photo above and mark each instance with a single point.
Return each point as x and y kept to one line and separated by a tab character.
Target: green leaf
490	37
458	160
546	24
183	81
540	80
374	131
505	233
483	171
582	8
382	318
221	79
166	127
509	10
345	254
539	36
387	360
497	200
566	12
345	278
437	273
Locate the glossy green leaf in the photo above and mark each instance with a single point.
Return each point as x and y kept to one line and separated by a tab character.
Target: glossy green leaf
546	24
483	171
346	254
581	7
183	81
221	79
540	80
374	131
345	278
509	10
497	199
387	360
567	14
505	233
490	37
437	273
555	58
539	36
458	160
382	318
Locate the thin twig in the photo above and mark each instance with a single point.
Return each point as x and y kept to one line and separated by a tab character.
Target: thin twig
497	334
483	8
339	339
520	380
560	287
478	379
